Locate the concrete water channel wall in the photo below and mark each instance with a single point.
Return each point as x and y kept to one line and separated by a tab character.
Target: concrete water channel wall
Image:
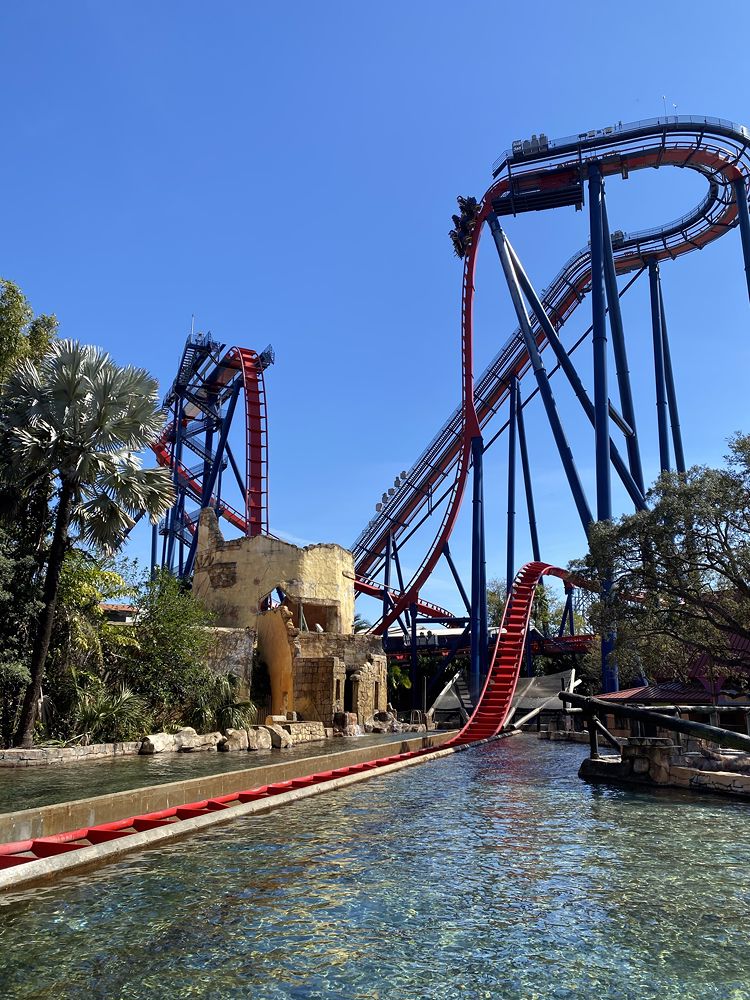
45	821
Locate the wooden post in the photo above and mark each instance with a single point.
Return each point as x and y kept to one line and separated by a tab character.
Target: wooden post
593	737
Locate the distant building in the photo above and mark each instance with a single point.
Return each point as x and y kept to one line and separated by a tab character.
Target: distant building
120	614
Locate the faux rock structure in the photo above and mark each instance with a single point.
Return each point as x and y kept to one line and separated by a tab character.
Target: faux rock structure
317	667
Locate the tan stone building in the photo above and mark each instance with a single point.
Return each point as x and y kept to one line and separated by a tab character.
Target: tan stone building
300	603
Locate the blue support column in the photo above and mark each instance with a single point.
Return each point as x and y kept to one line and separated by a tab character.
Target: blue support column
510	564
484	631
387	573
567	616
599	319
740	194
527	657
173	516
208	446
601	396
399	574
540	374
154	547
478	655
674	413
568	368
620	352
456	577
661	390
414	658
209	481
528	489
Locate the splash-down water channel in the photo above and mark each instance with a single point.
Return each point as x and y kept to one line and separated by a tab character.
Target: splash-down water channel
490	873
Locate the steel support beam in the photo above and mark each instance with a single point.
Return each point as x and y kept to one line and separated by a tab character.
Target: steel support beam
154	548
387	574
620	352
540	374
599	320
740	194
478	654
601	396
209	482
511	528
569	369
526	470
456	577
661	389
674	413
399	574
174	514
528	658
414	658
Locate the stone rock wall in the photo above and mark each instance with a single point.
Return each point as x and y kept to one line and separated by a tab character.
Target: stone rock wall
657	761
304	732
231	652
233	577
67	755
316	681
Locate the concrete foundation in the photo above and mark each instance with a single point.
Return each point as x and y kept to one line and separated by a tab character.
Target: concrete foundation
659	762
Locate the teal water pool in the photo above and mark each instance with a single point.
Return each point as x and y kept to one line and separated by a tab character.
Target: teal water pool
493	873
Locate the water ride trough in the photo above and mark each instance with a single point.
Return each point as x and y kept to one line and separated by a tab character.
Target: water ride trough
535	175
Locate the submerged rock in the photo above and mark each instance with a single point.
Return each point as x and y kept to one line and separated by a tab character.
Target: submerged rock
280	738
258	738
188	741
158	743
235	739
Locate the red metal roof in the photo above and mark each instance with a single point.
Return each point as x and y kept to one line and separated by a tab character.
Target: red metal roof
669	693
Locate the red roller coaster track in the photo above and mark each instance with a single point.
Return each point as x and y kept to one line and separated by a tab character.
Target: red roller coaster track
237	363
717	149
494	703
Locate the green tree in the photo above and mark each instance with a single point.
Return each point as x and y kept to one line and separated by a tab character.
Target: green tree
360	625
19	606
680	572
85	648
77	418
169	669
496	597
22	335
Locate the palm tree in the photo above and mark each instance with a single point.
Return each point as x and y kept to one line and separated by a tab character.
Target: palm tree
76	418
360	624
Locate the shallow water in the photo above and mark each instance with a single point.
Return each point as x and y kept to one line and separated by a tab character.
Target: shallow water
29	787
493	873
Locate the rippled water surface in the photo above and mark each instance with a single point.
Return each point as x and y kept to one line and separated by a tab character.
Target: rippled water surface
493	873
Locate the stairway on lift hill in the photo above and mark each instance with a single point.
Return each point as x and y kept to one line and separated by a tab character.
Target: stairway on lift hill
497	695
461	688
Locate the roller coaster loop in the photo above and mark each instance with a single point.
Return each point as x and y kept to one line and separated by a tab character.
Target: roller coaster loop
536	176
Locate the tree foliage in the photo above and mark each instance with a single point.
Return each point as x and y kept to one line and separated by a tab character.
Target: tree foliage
73	422
680	572
169	668
19	606
22	335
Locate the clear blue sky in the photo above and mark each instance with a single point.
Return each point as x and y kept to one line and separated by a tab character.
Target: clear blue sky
286	172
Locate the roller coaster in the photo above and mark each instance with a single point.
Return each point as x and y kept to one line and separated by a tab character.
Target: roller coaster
534	175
